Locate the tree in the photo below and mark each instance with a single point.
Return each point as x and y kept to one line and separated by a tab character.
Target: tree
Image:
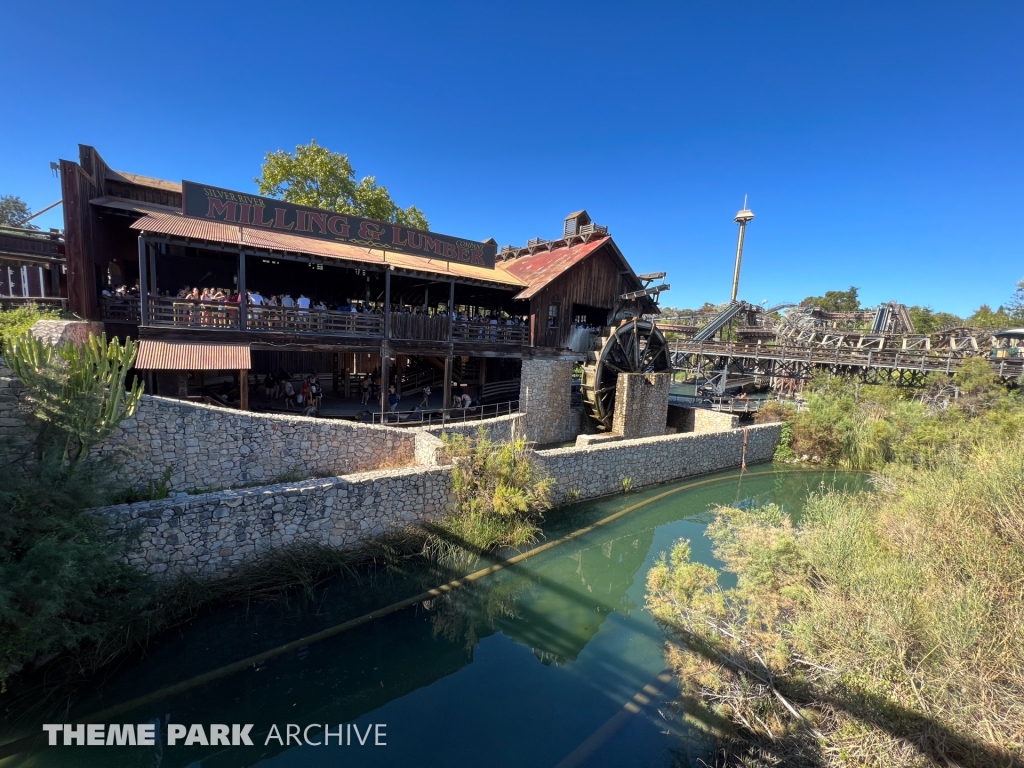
316	177
927	320
1016	305
13	211
835	301
985	317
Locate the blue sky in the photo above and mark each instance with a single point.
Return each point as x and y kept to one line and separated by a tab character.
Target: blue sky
880	143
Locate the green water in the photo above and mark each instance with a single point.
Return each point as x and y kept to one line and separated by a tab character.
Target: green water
519	669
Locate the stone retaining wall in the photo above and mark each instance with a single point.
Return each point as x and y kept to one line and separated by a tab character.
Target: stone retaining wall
215	533
598	470
499	429
209	447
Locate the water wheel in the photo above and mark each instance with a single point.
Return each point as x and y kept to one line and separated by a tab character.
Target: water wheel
636	346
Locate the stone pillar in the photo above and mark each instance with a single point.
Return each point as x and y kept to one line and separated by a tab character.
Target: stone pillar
641	405
544	396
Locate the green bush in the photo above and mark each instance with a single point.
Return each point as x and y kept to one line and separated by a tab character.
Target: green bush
857	426
64	588
14	322
500	496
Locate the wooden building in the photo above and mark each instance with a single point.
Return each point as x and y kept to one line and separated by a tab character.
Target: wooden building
359	294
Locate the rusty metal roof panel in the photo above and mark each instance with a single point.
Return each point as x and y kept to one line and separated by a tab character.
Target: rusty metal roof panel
137	206
176	225
144	181
541	268
178	356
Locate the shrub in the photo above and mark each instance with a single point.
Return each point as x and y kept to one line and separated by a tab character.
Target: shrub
14	322
63	586
884	632
500	496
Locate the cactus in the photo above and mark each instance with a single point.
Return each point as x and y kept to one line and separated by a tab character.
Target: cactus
77	389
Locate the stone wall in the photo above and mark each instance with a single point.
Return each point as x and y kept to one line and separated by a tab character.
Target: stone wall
208	447
706	421
14	428
599	470
215	533
499	429
700	420
59	332
641	404
544	397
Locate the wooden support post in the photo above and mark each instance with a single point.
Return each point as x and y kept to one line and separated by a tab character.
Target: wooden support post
152	272
451	318
385	376
447	383
243	298
334	372
387	306
243	389
143	283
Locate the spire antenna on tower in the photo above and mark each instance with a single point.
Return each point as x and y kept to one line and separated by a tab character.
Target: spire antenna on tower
741	218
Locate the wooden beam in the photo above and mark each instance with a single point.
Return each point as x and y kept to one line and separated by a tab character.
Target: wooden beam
243	389
143	282
243	299
447	384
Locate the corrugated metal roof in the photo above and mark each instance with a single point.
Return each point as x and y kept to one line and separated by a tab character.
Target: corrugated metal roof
132	205
176	225
144	181
177	356
540	268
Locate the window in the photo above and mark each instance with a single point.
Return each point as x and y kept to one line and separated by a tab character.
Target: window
552	315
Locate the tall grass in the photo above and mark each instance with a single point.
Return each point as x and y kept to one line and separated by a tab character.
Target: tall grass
886	630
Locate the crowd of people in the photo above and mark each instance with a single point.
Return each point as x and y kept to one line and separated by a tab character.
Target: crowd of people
306	397
121	291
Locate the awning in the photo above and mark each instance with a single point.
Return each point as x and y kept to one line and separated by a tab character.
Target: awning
177	356
189	228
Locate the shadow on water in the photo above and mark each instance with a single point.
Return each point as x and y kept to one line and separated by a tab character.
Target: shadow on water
456	676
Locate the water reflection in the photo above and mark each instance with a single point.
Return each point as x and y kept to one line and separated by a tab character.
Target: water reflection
522	667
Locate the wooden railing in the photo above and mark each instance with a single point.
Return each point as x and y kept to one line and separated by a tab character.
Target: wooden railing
127	310
189	313
498	388
320	321
166	312
420	327
418	418
485	333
